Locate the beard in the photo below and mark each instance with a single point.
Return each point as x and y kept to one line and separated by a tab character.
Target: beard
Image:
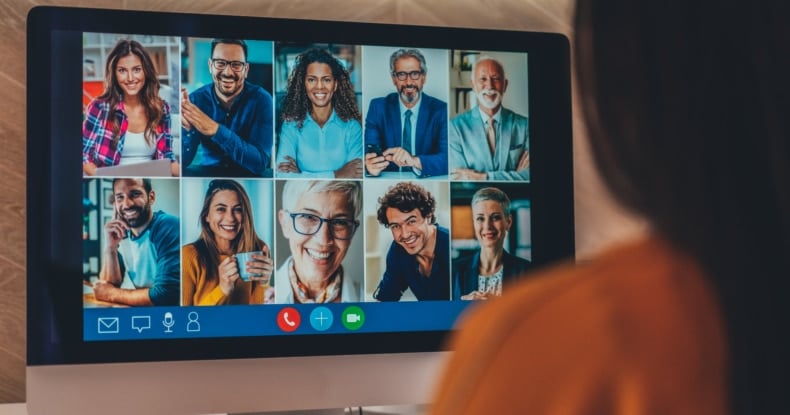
143	215
409	93
484	101
220	88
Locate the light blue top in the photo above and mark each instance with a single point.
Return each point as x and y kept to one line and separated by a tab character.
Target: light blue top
319	151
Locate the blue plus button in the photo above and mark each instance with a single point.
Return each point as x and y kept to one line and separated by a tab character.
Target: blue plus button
321	318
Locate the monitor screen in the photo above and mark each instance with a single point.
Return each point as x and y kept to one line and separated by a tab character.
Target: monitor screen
273	191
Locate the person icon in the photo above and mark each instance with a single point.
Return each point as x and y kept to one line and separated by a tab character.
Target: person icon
193	325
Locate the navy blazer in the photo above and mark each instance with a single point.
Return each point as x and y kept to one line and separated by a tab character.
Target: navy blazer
465	272
383	128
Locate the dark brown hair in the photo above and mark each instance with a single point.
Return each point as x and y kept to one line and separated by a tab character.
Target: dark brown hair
296	105
149	94
405	197
687	110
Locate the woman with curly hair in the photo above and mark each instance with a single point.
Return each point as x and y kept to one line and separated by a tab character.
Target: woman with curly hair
321	135
128	123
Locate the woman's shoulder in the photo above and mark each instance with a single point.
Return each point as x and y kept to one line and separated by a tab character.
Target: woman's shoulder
189	251
639	308
99	104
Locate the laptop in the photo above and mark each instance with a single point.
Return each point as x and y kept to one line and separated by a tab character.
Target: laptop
146	168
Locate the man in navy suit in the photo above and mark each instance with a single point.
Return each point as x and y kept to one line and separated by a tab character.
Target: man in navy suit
489	142
407	129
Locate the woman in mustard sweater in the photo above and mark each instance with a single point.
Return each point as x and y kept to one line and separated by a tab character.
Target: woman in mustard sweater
210	267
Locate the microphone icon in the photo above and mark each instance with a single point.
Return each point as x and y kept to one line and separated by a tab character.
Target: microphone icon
168	322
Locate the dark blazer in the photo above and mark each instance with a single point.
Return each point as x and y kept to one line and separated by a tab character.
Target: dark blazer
465	272
383	127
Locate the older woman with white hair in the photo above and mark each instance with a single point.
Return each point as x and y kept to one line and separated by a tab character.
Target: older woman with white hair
319	219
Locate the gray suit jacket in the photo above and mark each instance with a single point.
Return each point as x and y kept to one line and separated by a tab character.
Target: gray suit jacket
468	145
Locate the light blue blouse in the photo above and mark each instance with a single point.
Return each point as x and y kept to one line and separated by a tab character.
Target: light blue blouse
319	151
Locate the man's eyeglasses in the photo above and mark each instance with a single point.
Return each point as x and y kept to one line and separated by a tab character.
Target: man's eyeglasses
414	75
221	64
309	224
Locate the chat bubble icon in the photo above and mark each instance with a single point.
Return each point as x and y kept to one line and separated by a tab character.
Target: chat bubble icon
141	323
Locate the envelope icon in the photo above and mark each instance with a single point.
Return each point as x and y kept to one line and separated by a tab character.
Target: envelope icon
108	325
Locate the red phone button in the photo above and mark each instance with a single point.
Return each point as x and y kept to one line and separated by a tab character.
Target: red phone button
288	319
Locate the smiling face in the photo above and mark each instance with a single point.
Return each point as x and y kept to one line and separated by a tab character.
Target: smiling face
130	75
133	203
491	223
409	89
224	217
317	257
227	82
319	84
410	229
489	84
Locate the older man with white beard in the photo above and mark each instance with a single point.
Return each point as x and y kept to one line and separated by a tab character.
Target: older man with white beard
489	142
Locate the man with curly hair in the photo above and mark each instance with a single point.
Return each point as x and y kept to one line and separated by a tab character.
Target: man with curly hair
418	258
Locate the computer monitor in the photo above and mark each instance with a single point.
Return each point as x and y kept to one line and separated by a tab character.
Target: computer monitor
362	213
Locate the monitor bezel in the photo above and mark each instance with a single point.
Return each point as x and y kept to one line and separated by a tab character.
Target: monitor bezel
55	320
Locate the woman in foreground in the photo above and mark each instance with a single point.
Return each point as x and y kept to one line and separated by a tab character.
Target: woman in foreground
686	107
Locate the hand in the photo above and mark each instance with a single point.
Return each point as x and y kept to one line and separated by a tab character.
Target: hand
185	100
175	171
523	161
475	295
468	174
103	290
116	230
89	169
375	164
399	156
350	170
261	267
228	275
196	118
288	166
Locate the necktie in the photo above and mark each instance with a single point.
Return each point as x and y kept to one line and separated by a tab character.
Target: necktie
406	143
491	133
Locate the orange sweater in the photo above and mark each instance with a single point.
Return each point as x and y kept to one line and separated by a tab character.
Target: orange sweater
198	289
637	331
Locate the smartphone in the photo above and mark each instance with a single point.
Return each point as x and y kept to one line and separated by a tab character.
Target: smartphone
373	148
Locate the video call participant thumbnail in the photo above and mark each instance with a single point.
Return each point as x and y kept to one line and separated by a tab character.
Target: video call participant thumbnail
228	124
128	123
488	271
408	126
489	141
321	135
319	220
418	258
212	272
142	247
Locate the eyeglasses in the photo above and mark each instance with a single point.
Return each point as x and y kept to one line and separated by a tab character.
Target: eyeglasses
408	223
221	64
414	75
309	224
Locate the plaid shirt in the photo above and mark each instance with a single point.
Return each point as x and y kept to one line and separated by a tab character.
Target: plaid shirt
97	135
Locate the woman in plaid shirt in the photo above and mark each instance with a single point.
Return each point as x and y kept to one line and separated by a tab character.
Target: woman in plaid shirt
129	123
